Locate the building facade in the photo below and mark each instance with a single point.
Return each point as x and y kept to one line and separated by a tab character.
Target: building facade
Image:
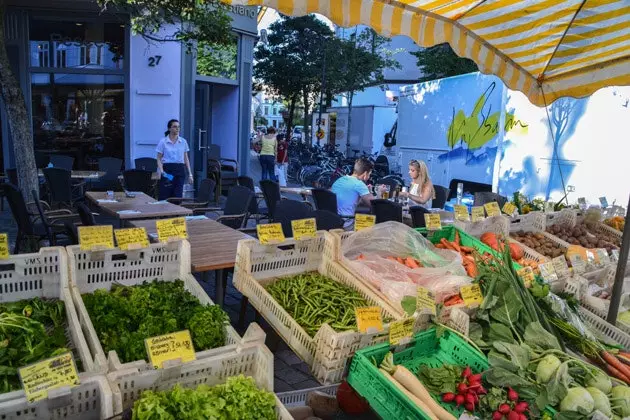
265	107
93	89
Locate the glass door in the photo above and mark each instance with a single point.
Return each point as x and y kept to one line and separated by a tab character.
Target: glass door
202	129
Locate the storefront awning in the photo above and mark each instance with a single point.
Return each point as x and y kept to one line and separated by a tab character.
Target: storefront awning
546	49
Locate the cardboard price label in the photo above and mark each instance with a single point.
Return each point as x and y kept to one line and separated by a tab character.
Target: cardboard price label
527	275
304	229
548	271
471	294
363	221
131	238
509	208
4	246
603	201
400	331
425	303
602	254
369	319
615	255
578	264
492	209
39	378
94	237
461	213
433	221
478	214
561	267
270	233
177	345
168	229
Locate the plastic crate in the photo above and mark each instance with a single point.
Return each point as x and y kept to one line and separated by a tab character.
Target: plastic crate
328	352
43	275
619	334
251	359
96	270
566	217
298	398
496	224
424	349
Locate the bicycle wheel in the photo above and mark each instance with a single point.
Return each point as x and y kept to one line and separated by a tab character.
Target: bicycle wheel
325	180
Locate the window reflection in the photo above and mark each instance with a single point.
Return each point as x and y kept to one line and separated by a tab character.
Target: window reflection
217	61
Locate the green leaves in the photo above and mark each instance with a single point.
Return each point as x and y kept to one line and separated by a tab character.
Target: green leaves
507	308
440	379
537	336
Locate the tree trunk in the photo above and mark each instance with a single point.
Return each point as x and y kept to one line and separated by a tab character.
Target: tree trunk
291	112
307	128
349	129
17	117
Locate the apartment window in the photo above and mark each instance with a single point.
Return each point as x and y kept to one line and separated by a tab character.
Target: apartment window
266	110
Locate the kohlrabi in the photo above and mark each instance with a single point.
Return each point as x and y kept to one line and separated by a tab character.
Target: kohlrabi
601	401
579	400
546	368
600	381
621	400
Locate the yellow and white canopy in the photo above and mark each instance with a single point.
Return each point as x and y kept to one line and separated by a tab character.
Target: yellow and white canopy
545	48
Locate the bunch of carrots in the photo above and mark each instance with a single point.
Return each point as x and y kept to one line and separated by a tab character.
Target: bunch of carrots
408	261
468	260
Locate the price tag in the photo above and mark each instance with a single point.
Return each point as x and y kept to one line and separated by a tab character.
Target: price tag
561	267
591	257
369	319
602	254
477	214
43	376
177	345
509	208
400	331
131	238
171	229
461	213
425	303
615	255
527	275
270	233
91	237
363	221
578	264
304	228
4	246
603	201
492	209
433	221
548	271
471	294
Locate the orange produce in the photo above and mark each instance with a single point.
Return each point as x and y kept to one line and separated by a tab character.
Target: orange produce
516	251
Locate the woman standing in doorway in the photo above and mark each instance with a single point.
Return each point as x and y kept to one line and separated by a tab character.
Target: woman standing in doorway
173	163
268	152
421	189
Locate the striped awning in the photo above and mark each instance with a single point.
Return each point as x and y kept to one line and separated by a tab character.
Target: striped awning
546	49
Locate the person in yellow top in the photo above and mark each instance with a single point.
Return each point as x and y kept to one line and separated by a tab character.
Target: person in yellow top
268	150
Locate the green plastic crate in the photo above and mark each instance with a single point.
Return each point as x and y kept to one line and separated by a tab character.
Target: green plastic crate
424	349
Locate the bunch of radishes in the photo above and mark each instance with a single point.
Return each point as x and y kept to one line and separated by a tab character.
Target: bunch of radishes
512	409
468	391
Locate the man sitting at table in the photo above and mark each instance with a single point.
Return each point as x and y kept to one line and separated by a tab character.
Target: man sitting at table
351	189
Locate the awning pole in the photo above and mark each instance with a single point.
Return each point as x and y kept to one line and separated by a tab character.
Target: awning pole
615	299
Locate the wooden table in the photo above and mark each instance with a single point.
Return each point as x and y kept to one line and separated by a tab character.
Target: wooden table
79	174
303	191
154	177
212	246
141	203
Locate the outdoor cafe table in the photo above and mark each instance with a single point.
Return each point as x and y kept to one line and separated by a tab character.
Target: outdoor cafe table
90	175
141	206
212	248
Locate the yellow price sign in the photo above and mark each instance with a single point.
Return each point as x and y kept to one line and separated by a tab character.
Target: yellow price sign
369	319
171	229
478	214
131	238
425	303
363	221
461	213
400	331
527	275
4	246
304	229
509	208
91	237
602	254
492	209
433	221
43	376
270	233
177	345
471	294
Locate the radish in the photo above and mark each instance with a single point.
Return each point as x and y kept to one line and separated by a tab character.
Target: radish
467	372
497	416
504	409
513	415
417	401
459	399
521	407
512	395
448	397
474	378
462	388
470	407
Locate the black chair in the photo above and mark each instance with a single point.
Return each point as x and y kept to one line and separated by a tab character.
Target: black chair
470	187
381	165
441	194
327	220
288	210
41	160
62	161
324	199
271	193
203	199
60	188
482	198
146	164
386	211
254	208
109	181
138	180
48	221
235	213
228	168
417	216
87	219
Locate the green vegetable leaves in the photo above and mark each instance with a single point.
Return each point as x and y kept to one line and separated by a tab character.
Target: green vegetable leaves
440	379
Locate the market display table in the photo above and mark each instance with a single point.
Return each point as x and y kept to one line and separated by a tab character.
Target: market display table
213	248
141	206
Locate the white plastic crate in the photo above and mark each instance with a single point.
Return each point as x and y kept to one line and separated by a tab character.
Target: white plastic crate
499	225
250	359
95	270
43	275
298	398
600	325
329	351
565	217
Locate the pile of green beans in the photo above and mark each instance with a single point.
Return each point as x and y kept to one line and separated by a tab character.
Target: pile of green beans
313	299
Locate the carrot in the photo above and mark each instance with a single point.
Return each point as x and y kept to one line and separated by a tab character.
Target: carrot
468	258
447	244
400	260
441	246
624	354
614	362
624	357
361	257
409	395
471	268
411	263
617	374
457	238
467	249
453	300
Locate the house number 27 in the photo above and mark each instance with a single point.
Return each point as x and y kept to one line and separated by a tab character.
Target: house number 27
155	60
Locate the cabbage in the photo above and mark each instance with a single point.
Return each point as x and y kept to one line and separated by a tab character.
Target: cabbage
601	401
546	368
578	399
624	317
621	400
600	381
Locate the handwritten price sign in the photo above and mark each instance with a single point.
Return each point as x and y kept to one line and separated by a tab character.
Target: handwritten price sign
363	221
41	377
270	233
169	229
172	346
304	229
369	319
4	246
94	237
131	238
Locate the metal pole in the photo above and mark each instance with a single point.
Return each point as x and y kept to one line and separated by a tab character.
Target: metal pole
321	93
615	299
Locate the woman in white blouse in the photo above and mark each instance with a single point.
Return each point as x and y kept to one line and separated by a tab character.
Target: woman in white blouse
173	163
421	188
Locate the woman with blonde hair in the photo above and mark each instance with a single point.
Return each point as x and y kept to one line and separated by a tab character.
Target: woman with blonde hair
421	188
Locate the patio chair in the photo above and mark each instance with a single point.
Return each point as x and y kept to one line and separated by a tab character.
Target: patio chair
289	210
62	161
441	194
271	193
228	168
146	164
138	180
327	220
255	210
485	197
50	220
204	196
86	219
470	187
235	213
417	216
109	181
386	211
62	192
324	200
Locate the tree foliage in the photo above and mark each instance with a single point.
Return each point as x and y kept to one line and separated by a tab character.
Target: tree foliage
441	61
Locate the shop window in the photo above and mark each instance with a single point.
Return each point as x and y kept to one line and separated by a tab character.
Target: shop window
217	61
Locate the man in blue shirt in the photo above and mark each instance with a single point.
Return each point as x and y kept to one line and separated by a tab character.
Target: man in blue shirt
351	189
